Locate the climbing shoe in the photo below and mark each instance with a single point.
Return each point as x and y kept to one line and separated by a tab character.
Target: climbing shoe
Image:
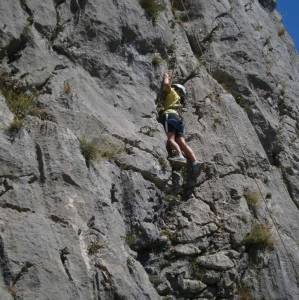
178	160
196	167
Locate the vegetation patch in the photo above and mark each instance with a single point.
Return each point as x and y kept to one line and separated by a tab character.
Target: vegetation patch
253	199
181	17
89	150
155	279
281	31
131	239
94	247
216	121
110	149
177	5
244	293
157	60
67	89
172	198
163	163
153	8
168	233
18	101
260	237
107	149
40	113
15	125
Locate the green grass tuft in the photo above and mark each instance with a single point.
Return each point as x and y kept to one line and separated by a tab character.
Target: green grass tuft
94	247
253	199
67	88
155	279
89	150
40	113
244	293
15	125
281	31
157	60
19	102
108	149
153	8
260	237
131	239
173	198
163	163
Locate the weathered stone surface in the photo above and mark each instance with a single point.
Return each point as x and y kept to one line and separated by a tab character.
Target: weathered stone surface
218	261
5	114
186	250
189	286
72	231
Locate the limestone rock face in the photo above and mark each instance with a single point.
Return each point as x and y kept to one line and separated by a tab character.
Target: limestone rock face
90	207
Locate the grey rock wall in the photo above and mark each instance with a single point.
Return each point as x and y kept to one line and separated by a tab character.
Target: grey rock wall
129	226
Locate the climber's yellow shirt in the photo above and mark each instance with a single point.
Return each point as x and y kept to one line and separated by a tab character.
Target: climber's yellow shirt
171	102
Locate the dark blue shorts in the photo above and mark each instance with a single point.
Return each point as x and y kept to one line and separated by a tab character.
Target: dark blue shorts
173	123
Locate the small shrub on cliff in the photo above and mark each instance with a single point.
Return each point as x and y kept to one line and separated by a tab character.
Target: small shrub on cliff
253	199
40	113
110	150
18	101
163	163
89	150
177	5
15	125
67	89
157	60
281	31
106	149
152	8
94	247
168	233
131	239
216	121
260	237
244	293
155	279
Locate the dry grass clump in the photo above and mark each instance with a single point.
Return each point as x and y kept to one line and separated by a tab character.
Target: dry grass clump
89	150
172	198
260	237
244	293
110	150
252	198
131	239
94	247
163	163
40	113
152	8
281	31
18	101
15	125
67	89
157	60
105	150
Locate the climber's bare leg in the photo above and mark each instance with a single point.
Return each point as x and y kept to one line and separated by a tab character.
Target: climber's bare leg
180	141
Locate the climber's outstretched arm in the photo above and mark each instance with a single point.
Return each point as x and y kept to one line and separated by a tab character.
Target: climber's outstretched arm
166	83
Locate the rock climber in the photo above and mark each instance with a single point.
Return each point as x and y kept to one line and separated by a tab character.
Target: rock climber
173	99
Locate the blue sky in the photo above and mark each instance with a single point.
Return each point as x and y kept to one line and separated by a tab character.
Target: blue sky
289	10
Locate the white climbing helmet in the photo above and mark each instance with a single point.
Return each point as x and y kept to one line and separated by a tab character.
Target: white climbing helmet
181	88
